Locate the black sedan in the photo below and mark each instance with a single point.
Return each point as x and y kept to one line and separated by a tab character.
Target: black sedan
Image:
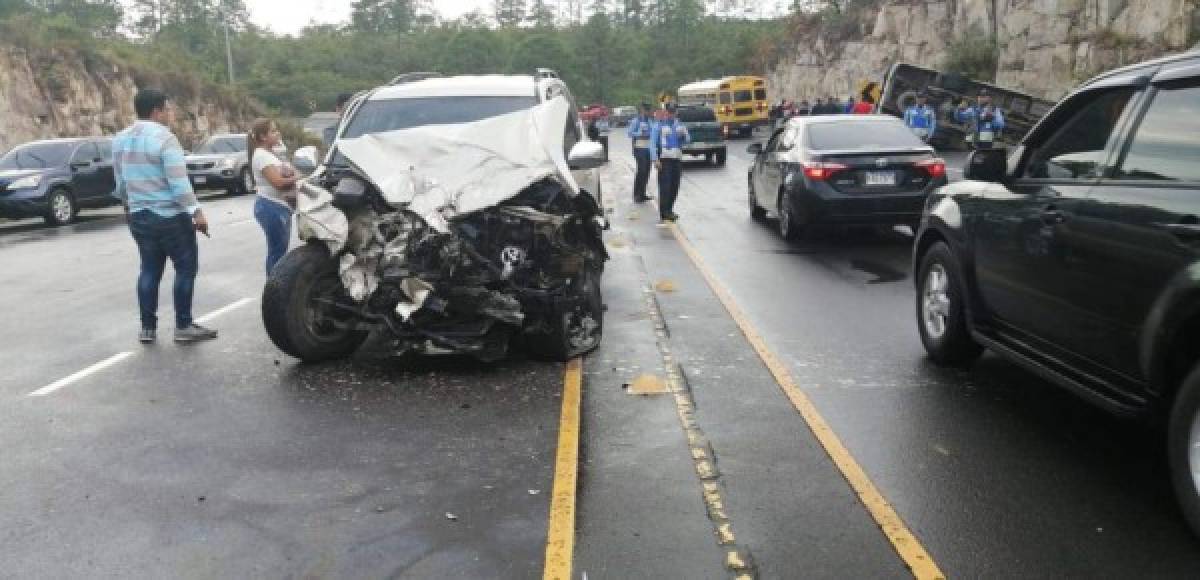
842	169
53	179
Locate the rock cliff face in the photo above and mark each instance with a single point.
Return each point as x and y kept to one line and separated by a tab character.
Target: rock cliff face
44	94
1046	47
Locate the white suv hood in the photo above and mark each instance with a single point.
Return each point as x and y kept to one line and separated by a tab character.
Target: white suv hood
439	171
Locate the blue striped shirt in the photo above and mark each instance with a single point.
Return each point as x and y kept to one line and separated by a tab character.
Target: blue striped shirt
150	171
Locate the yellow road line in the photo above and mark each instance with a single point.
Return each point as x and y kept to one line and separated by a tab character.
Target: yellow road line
906	544
560	536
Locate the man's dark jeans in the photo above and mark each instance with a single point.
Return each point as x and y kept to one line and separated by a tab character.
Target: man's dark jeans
669	174
642	156
159	238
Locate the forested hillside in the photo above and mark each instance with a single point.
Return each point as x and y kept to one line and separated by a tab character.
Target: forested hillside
614	52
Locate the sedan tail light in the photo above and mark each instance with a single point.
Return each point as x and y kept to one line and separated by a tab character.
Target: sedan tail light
935	167
820	171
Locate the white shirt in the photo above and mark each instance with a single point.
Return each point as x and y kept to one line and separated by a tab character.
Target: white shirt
263	158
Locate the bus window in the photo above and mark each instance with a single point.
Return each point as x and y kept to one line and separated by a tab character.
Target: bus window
743	96
725	100
760	94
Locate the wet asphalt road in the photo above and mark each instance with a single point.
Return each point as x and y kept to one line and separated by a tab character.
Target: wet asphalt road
998	473
227	459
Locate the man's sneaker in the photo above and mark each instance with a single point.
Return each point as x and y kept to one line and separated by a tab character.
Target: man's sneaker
147	335
194	333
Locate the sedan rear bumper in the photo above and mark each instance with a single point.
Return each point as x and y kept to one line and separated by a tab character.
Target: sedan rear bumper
820	203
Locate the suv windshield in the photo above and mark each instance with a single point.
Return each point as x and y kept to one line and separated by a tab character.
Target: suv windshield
860	135
37	156
223	145
395	114
697	115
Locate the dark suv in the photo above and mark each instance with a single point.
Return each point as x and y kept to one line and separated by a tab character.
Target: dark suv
1077	254
54	178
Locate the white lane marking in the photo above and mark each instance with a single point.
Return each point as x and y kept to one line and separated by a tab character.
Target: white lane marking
224	309
56	385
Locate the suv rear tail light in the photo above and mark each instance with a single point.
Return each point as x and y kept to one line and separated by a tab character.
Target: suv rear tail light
935	167
820	171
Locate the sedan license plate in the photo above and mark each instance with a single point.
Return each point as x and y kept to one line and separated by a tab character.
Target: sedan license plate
881	178
200	179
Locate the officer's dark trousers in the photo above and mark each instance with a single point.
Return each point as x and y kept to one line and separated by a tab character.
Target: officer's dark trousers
642	157
668	186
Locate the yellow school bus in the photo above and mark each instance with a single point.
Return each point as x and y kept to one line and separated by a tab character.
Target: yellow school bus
742	104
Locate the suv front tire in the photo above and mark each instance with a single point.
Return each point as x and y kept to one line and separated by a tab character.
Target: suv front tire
942	309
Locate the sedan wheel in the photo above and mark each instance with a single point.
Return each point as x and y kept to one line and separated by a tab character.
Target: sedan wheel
788	228
757	212
62	208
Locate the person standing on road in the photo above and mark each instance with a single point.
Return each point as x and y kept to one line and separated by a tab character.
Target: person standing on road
276	191
639	133
162	211
865	106
921	118
984	121
666	149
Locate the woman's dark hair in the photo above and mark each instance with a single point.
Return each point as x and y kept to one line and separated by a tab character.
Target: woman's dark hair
258	130
147	101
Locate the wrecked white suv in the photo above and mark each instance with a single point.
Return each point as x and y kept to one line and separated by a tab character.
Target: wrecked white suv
452	215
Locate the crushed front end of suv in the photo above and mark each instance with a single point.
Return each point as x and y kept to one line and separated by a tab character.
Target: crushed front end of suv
459	238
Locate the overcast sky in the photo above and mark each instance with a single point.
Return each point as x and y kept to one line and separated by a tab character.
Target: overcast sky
289	16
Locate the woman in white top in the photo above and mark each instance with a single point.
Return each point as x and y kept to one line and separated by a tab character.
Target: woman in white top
276	186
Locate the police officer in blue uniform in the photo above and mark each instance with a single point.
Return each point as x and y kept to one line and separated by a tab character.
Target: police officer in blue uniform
666	149
921	119
639	133
984	120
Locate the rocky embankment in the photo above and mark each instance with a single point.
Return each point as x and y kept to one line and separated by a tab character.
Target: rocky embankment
47	93
1044	47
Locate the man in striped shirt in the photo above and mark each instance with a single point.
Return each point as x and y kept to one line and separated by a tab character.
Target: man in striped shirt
162	210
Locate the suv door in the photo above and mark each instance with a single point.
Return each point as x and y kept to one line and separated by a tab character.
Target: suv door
104	162
1142	226
1026	246
85	175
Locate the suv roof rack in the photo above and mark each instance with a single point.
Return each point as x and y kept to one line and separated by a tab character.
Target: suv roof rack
412	77
545	73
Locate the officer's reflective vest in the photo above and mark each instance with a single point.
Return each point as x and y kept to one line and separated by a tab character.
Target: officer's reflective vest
639	131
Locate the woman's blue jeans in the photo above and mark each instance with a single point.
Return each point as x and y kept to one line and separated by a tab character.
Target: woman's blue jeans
276	222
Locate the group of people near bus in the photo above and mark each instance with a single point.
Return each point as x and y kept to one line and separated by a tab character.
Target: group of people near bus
982	120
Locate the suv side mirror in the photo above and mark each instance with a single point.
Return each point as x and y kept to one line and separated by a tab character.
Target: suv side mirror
305	160
754	148
586	155
989	165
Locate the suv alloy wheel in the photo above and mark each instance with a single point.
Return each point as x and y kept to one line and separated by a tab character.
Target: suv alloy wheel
942	309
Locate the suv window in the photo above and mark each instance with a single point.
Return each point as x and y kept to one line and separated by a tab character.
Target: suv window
1077	148
393	114
773	144
1165	146
105	147
85	154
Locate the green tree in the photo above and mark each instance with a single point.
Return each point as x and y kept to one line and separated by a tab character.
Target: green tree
541	14
389	16
509	13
